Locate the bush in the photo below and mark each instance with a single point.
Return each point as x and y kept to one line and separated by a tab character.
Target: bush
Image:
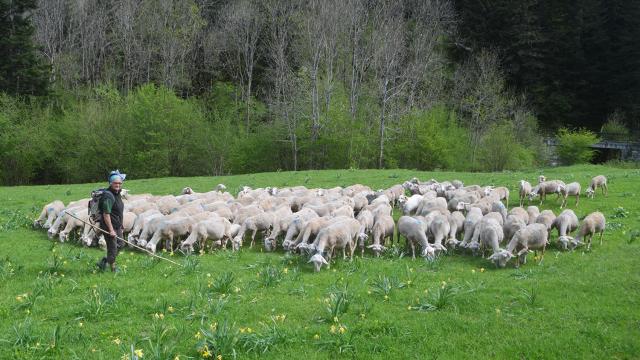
574	146
614	128
501	150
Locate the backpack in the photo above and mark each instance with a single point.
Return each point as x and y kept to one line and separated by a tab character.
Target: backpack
95	213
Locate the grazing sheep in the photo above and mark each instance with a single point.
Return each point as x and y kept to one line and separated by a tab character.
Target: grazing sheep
491	236
546	217
501	193
140	222
456	224
383	228
474	244
565	223
512	225
524	189
217	230
365	217
473	217
310	229
592	224
428	205
533	212
49	213
546	187
336	236
409	205
541	179
439	229
534	237
187	191
598	181
414	230
63	217
521	213
571	189
260	222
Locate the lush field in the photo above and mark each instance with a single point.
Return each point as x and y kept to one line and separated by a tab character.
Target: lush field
573	305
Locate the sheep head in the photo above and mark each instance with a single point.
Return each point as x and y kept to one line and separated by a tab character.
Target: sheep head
187	191
500	258
236	243
574	243
221	187
269	243
590	192
377	248
429	252
318	261
564	242
532	195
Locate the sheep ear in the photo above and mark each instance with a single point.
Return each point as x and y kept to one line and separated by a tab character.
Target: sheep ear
492	257
324	261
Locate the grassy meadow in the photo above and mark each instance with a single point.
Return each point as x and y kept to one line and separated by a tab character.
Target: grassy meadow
575	305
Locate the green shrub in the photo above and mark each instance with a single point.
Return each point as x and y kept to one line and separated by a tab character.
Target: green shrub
574	146
614	128
501	150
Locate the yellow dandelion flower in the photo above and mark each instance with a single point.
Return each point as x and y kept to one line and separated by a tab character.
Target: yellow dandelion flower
213	326
177	357
335	319
19	298
93	350
473	271
408	282
386	297
208	274
249	330
368	292
80	324
362	315
236	290
206	353
426	291
64	262
242	330
161	315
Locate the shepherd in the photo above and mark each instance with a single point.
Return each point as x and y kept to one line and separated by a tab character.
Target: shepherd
111	211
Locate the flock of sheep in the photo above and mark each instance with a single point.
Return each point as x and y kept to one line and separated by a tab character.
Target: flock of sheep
437	216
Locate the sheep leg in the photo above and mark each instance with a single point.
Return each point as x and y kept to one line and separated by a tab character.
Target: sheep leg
413	249
605	190
352	246
577	199
253	237
601	233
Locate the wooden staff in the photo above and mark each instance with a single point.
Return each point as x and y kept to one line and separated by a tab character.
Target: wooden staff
119	238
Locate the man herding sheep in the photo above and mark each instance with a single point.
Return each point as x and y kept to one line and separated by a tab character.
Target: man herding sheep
111	211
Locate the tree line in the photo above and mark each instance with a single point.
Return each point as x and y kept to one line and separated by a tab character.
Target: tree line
195	87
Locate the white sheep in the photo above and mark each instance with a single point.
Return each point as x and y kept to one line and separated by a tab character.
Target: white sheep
383	228
565	223
49	213
534	237
597	181
341	235
414	230
592	224
524	189
571	189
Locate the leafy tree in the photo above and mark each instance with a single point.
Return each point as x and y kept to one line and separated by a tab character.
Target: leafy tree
574	146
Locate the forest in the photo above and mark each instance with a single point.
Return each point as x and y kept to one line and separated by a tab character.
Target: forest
213	87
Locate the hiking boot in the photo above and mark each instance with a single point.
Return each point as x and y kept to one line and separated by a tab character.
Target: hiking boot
102	264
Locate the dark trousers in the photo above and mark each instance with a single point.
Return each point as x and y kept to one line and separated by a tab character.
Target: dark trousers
113	246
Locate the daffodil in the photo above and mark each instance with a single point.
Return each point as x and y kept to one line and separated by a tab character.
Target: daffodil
335	319
473	271
481	270
138	353
386	297
219	357
213	326
249	330
170	309
198	335
117	341
362	315
205	352
333	329
285	270
342	329
316	337
236	289
80	324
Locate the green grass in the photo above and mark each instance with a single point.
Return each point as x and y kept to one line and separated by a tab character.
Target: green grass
267	305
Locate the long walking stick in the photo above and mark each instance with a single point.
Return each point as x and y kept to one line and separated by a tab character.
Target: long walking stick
119	238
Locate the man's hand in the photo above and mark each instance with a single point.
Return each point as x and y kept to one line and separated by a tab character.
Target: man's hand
112	233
